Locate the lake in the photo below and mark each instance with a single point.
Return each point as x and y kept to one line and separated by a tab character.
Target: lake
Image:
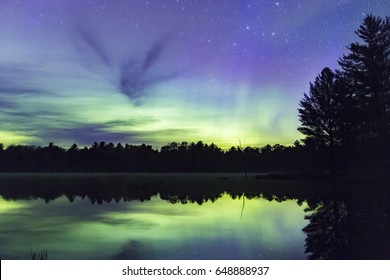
188	216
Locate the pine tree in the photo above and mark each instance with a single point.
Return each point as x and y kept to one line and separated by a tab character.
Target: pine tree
323	114
367	66
346	113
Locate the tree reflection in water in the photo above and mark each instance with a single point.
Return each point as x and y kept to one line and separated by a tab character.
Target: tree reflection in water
327	232
346	221
349	226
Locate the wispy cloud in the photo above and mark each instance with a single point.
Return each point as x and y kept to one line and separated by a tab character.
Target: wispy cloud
93	56
19	79
131	76
86	134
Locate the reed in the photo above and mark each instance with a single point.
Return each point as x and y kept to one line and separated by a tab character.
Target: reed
38	255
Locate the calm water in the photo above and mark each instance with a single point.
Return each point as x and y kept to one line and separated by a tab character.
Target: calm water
173	217
154	229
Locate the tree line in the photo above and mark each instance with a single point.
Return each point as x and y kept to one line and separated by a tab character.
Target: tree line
346	113
174	157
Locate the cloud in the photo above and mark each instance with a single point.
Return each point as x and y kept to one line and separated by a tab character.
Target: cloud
92	43
154	53
7	104
132	122
87	134
84	134
17	82
131	76
92	54
16	79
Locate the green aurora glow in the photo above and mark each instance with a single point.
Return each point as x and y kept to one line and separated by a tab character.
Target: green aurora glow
160	71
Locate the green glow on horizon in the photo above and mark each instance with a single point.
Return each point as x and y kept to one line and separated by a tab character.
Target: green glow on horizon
11	137
254	116
7	207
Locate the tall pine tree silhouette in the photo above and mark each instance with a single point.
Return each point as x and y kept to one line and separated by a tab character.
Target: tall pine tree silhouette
368	68
321	114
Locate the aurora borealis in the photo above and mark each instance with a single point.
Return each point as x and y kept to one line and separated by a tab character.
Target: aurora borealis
159	71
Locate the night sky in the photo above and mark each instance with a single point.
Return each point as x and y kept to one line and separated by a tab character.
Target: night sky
153	72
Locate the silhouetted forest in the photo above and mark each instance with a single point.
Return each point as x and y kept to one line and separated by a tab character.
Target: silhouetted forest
345	118
175	157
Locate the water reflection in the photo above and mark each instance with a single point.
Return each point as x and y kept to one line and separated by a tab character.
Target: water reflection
189	217
349	226
155	229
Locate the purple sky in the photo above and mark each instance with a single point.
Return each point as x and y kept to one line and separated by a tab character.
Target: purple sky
160	71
